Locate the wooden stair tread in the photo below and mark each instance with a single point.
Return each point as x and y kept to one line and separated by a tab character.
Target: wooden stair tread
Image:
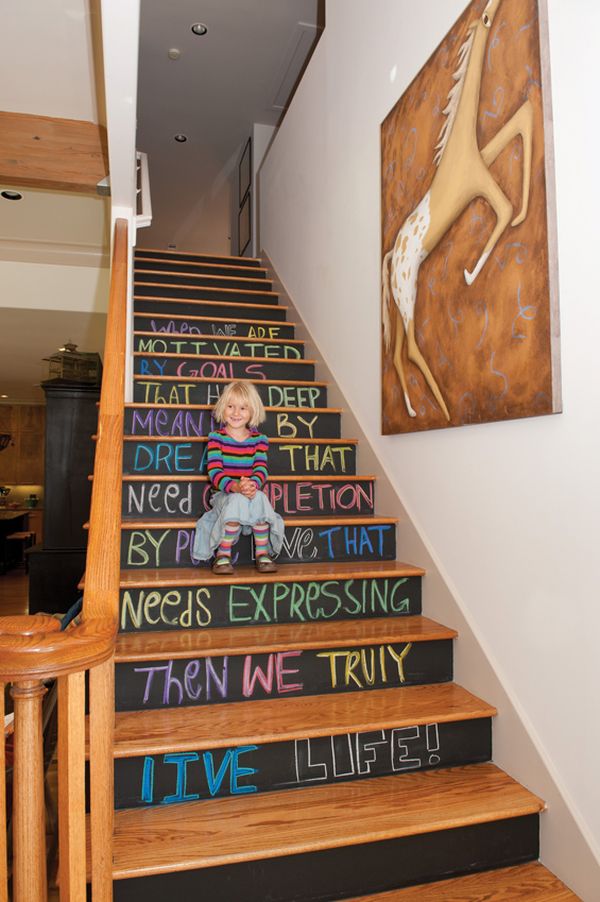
205	275
274	440
530	882
190	576
144	259
151	645
230	338
154	732
195	301
232	292
367	520
199	256
227	358
274	824
145	406
206	379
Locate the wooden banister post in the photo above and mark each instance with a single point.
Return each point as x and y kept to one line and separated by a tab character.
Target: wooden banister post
102	725
29	833
71	787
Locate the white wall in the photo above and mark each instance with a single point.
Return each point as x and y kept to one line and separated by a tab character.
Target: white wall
504	515
262	136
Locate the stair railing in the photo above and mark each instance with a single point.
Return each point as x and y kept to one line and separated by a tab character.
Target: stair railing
33	651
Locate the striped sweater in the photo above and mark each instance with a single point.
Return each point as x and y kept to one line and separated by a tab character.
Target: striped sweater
228	460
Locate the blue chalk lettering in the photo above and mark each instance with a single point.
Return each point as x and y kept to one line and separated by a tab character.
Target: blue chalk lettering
214	782
237	771
180	760
148	780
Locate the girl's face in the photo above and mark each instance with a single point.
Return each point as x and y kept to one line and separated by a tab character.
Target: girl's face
237	413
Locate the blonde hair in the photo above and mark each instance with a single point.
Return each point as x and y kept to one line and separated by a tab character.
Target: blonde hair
245	392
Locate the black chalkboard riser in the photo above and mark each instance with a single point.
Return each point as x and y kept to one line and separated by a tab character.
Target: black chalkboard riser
172	456
185	496
151	547
175	287
203	604
215	325
168	256
166	275
349	871
177	778
224	346
278	675
212	366
190	390
164	299
191	422
176	264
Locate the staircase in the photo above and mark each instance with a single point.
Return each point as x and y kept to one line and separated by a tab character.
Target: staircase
291	736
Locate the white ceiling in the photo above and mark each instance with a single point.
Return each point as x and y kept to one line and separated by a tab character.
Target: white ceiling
221	84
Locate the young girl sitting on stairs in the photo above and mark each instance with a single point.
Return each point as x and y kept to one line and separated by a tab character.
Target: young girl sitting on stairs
237	468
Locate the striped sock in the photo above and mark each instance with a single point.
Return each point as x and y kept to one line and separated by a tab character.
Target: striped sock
230	537
261	539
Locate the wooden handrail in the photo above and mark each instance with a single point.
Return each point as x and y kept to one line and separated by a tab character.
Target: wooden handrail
101	593
32	649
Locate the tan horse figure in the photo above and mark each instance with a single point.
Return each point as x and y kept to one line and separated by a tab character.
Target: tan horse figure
462	175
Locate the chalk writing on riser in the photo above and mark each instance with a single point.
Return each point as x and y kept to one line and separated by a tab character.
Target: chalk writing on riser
149	392
185	423
186	682
208	369
238	348
184	326
173	547
192	498
171	457
248	769
279	602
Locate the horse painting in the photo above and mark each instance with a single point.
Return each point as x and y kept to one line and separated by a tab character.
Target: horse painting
461	175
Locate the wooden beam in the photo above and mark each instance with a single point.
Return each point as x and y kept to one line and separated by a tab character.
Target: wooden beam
44	152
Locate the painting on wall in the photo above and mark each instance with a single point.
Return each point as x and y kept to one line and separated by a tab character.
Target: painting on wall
469	269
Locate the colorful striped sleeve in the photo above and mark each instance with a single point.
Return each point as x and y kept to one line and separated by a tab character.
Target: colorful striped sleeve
260	472
215	468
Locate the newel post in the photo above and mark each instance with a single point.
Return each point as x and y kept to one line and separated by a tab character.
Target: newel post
29	832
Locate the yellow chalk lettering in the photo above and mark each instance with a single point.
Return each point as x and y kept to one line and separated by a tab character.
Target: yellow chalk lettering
369	677
309	425
203	615
382	663
327	457
283	422
312	457
399	659
352	662
291	449
332	655
128	610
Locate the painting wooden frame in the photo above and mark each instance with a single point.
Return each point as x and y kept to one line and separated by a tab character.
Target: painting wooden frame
469	252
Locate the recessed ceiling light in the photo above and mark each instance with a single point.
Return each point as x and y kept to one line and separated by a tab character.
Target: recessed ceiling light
11	195
174	53
181	139
3	396
199	28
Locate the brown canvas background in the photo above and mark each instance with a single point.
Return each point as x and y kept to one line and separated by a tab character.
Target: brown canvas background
488	344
